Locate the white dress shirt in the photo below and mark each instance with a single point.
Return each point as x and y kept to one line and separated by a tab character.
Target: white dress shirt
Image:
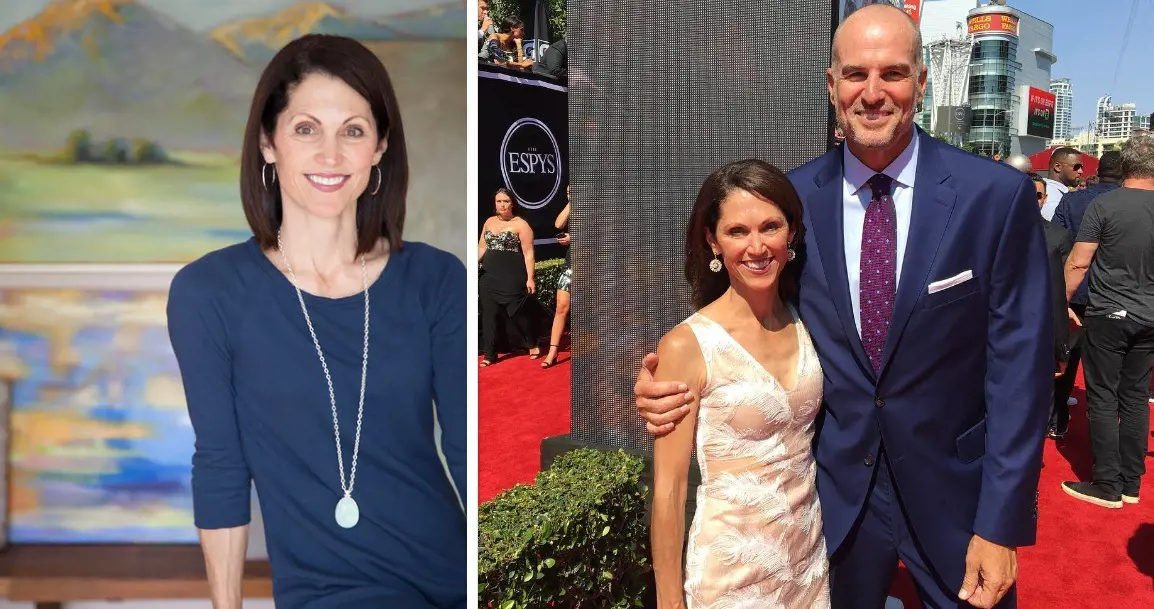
856	195
1054	192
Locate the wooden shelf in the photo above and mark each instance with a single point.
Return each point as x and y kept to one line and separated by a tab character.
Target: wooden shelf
52	574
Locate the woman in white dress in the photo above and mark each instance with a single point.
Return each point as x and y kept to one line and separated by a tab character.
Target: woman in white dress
756	538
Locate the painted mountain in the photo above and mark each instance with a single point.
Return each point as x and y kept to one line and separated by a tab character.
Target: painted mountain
119	69
121	124
257	39
442	22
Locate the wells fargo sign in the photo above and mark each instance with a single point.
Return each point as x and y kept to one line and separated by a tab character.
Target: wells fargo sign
993	23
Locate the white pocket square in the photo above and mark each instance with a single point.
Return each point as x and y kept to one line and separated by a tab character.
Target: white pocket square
958	279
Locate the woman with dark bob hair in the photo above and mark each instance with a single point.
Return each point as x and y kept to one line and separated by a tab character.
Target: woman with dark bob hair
295	383
756	537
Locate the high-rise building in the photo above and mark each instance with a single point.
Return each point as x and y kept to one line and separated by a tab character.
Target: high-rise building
1064	108
1117	121
1009	81
946	48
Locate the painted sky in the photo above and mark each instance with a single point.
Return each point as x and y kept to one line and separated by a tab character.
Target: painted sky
203	15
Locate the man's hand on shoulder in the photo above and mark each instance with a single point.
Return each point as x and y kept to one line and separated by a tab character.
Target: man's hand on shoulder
991	570
661	404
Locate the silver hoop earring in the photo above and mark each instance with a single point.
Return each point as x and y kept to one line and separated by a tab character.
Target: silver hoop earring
792	254
379	181
264	175
715	264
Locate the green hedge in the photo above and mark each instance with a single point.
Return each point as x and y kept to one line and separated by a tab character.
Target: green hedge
576	538
546	274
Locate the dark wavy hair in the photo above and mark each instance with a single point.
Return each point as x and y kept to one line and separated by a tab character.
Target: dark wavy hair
754	176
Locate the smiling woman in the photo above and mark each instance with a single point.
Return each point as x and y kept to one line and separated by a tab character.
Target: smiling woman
285	365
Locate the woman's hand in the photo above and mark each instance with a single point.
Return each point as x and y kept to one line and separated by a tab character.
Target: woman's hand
531	286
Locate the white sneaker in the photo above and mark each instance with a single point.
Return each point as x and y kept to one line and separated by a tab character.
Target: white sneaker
893	603
1071	401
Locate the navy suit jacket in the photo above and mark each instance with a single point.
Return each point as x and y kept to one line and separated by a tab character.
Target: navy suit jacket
1069	214
963	394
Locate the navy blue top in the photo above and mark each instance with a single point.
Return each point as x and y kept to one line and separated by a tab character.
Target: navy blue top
260	408
1069	214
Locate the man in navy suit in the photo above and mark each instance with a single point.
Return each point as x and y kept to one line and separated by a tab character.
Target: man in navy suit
926	290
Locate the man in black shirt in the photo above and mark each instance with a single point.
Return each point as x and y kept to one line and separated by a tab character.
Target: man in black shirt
1069	215
1116	244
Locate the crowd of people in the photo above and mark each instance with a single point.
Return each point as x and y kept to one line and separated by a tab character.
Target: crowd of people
503	44
1109	289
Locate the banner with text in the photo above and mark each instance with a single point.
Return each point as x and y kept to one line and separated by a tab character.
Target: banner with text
1036	116
993	23
523	145
913	8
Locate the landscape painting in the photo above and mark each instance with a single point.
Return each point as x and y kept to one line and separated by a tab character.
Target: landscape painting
100	439
123	119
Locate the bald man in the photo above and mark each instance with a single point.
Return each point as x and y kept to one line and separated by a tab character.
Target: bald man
925	289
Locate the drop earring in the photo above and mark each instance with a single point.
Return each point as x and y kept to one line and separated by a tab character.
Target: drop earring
715	264
791	255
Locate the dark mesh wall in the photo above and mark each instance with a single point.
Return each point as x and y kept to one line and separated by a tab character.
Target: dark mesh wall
660	95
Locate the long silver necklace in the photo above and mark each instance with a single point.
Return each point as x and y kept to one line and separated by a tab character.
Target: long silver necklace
347	512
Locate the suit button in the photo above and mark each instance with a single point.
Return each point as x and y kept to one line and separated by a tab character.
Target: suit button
869	460
879	402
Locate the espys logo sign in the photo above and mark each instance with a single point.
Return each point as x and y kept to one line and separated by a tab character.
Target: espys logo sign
531	162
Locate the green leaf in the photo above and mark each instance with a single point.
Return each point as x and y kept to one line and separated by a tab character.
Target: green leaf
508	604
549	562
605	531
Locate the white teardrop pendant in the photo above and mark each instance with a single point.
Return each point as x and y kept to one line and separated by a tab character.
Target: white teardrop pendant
347	513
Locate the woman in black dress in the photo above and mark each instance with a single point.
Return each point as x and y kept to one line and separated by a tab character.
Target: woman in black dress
506	255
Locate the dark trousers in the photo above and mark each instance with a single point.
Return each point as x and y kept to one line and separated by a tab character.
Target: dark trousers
1118	354
862	570
492	312
1064	385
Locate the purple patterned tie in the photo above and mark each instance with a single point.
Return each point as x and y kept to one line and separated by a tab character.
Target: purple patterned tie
878	264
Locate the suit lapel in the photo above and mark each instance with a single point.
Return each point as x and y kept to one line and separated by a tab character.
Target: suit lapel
827	217
933	203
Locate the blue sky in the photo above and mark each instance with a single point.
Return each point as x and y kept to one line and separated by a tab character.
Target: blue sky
1088	39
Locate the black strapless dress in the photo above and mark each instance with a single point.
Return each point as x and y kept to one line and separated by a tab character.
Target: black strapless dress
503	292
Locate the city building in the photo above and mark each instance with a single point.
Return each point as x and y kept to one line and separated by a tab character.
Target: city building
1064	108
1009	81
1117	121
1089	143
946	51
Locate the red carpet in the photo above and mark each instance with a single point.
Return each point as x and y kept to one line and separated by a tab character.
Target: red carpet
1087	557
519	405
